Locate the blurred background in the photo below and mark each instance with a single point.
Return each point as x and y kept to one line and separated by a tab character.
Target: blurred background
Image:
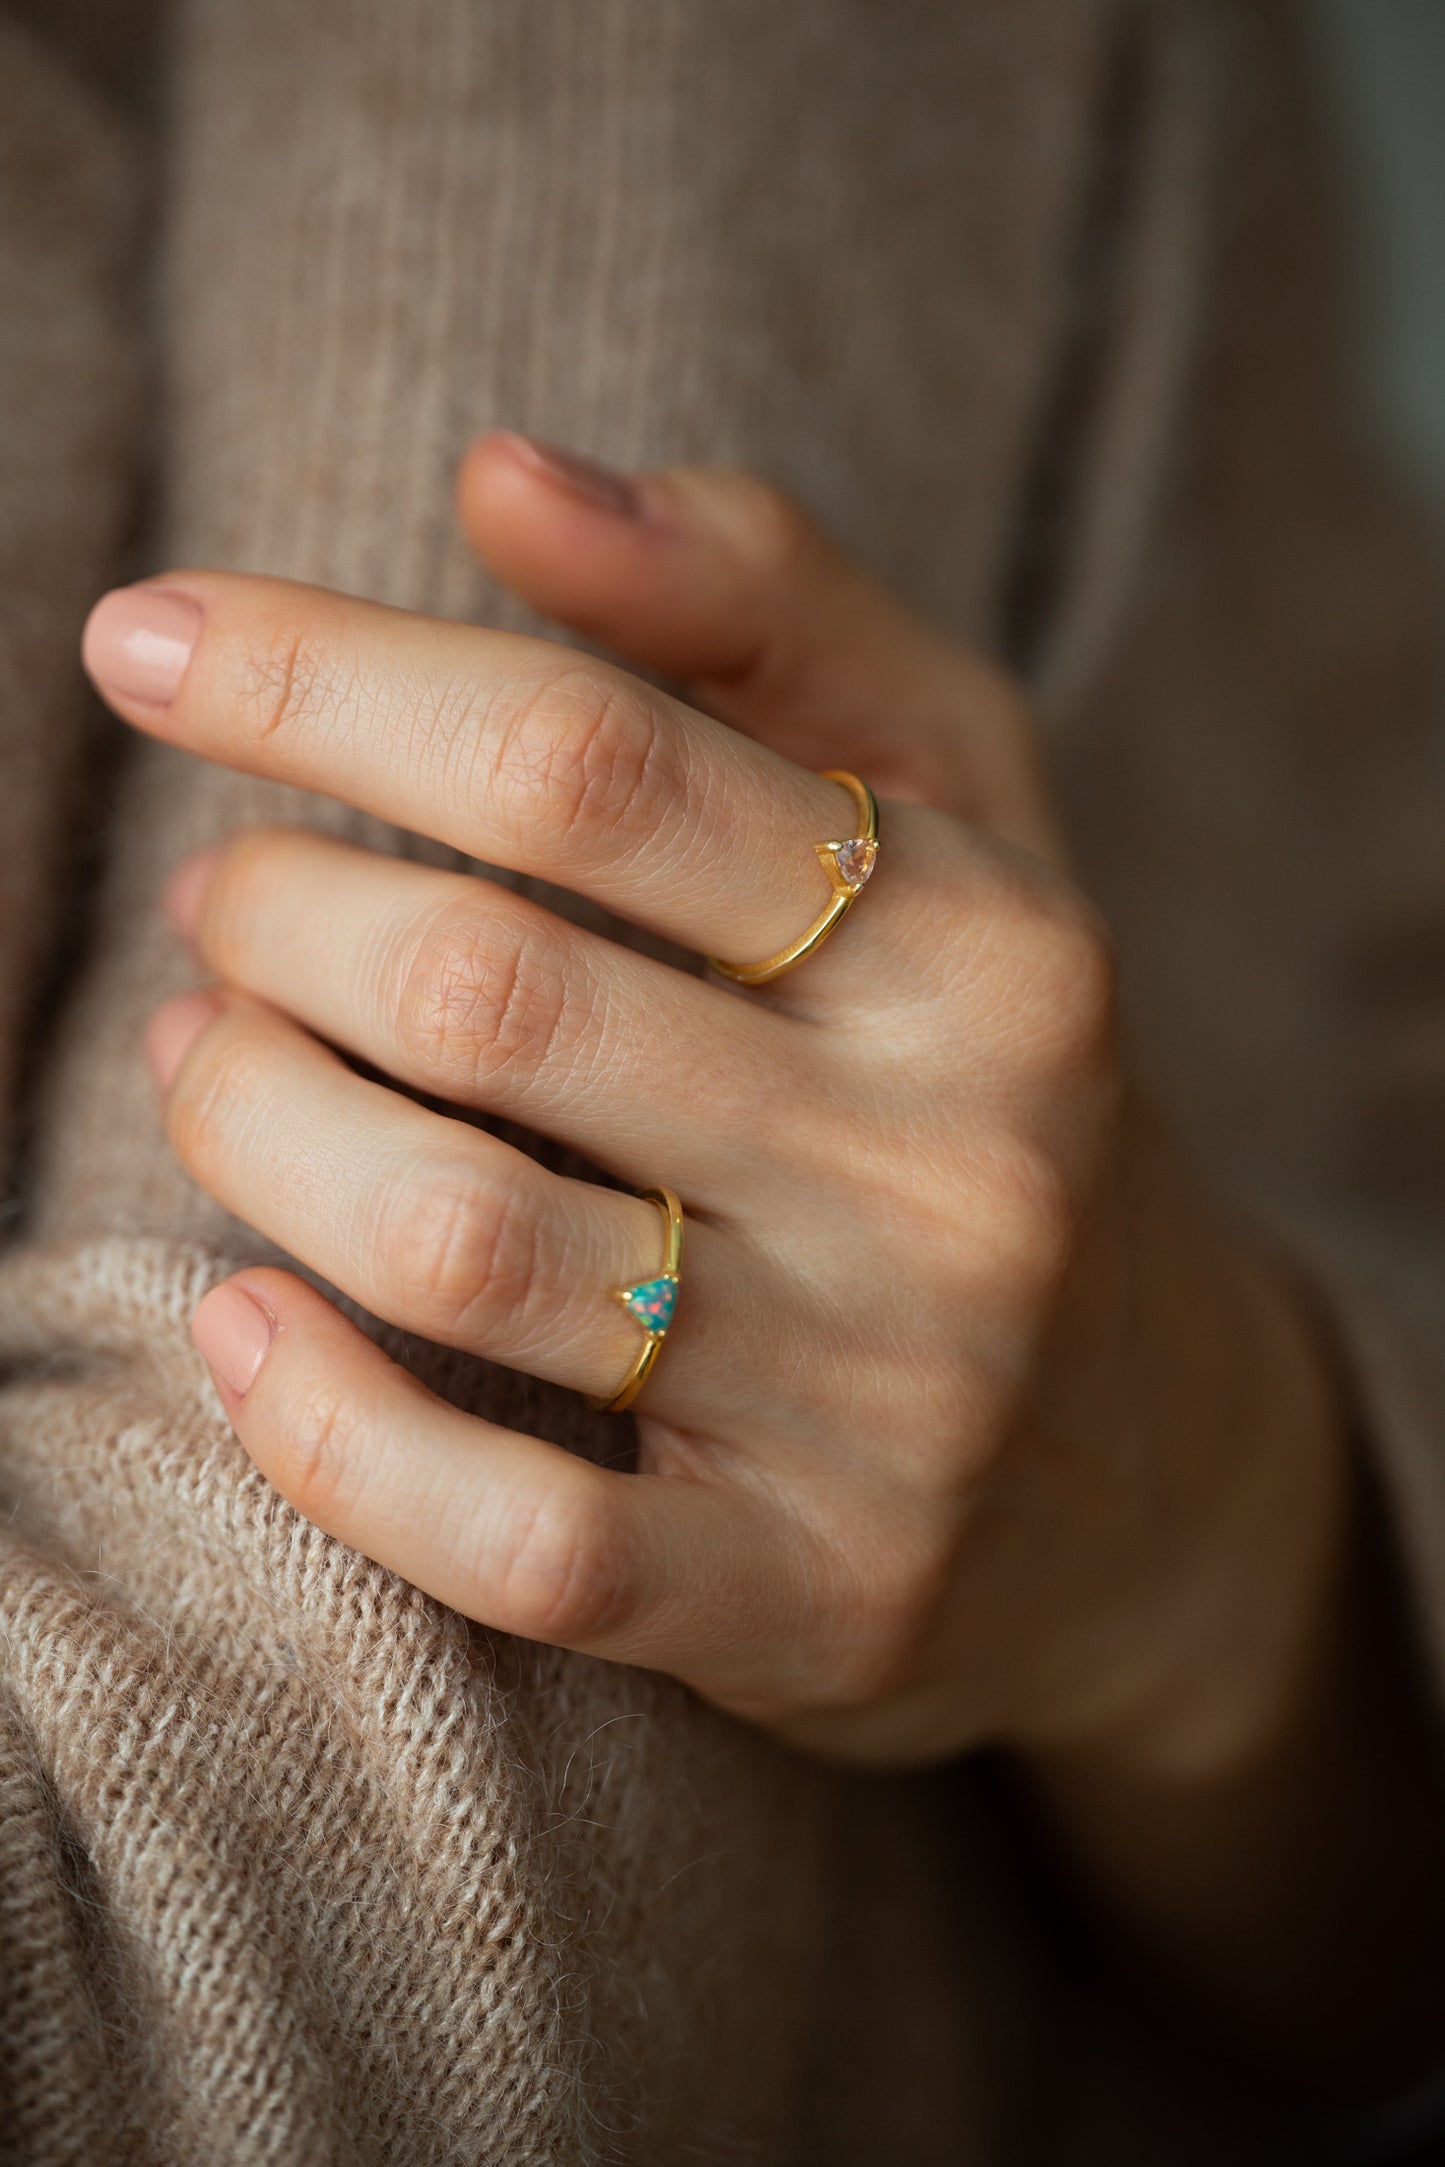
1382	65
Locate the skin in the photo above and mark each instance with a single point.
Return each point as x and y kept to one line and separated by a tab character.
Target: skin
978	1422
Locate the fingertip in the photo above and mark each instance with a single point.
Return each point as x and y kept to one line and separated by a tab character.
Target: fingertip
635	561
505	471
233	1330
291	1309
485	458
137	643
185	891
173	1030
317	1332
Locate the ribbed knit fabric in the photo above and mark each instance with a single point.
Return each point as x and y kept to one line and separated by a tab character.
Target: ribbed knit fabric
295	1865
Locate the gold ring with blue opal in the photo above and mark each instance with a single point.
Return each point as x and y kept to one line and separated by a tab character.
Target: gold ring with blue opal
651	1302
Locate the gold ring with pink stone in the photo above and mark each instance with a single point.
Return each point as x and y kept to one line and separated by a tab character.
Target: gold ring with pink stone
651	1302
849	866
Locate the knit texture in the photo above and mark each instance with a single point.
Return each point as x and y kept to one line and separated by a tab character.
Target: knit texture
295	1864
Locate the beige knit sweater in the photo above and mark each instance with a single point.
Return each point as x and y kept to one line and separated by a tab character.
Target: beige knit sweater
1029	299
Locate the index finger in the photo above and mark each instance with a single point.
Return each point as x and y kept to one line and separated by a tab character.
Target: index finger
518	751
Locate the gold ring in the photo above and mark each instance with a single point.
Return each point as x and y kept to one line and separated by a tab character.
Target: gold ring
848	865
651	1302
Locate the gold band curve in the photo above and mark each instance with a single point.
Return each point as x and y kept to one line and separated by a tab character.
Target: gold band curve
848	864
652	1302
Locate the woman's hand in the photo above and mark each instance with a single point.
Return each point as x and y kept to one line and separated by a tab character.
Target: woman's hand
972	1423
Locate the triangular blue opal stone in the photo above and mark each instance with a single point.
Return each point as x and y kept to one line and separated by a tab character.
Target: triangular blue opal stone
652	1302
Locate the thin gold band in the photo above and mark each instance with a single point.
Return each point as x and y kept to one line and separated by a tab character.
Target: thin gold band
649	1299
863	847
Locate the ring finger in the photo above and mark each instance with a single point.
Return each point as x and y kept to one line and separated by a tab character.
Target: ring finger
433	1224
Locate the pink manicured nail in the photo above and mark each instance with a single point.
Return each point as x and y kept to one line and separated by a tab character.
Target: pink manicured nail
234	1335
173	1031
138	640
181	901
602	487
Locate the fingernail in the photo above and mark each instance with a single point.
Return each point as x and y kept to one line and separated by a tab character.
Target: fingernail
233	1334
184	891
600	486
173	1031
138	640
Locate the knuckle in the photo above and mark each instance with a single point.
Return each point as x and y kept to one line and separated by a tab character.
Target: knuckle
880	1642
286	682
318	1449
776	536
565	1579
1032	1214
947	1447
465	1255
212	1100
480	1003
871	1665
1040	953
242	876
586	759
1074	984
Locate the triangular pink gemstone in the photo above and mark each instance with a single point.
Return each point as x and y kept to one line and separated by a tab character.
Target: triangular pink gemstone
855	860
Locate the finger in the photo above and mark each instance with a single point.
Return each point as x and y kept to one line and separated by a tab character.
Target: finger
433	1224
516	750
471	993
709	576
518	1534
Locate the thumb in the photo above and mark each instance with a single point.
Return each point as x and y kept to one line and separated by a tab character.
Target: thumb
707	576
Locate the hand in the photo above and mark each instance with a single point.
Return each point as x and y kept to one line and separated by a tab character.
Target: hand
973	1424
